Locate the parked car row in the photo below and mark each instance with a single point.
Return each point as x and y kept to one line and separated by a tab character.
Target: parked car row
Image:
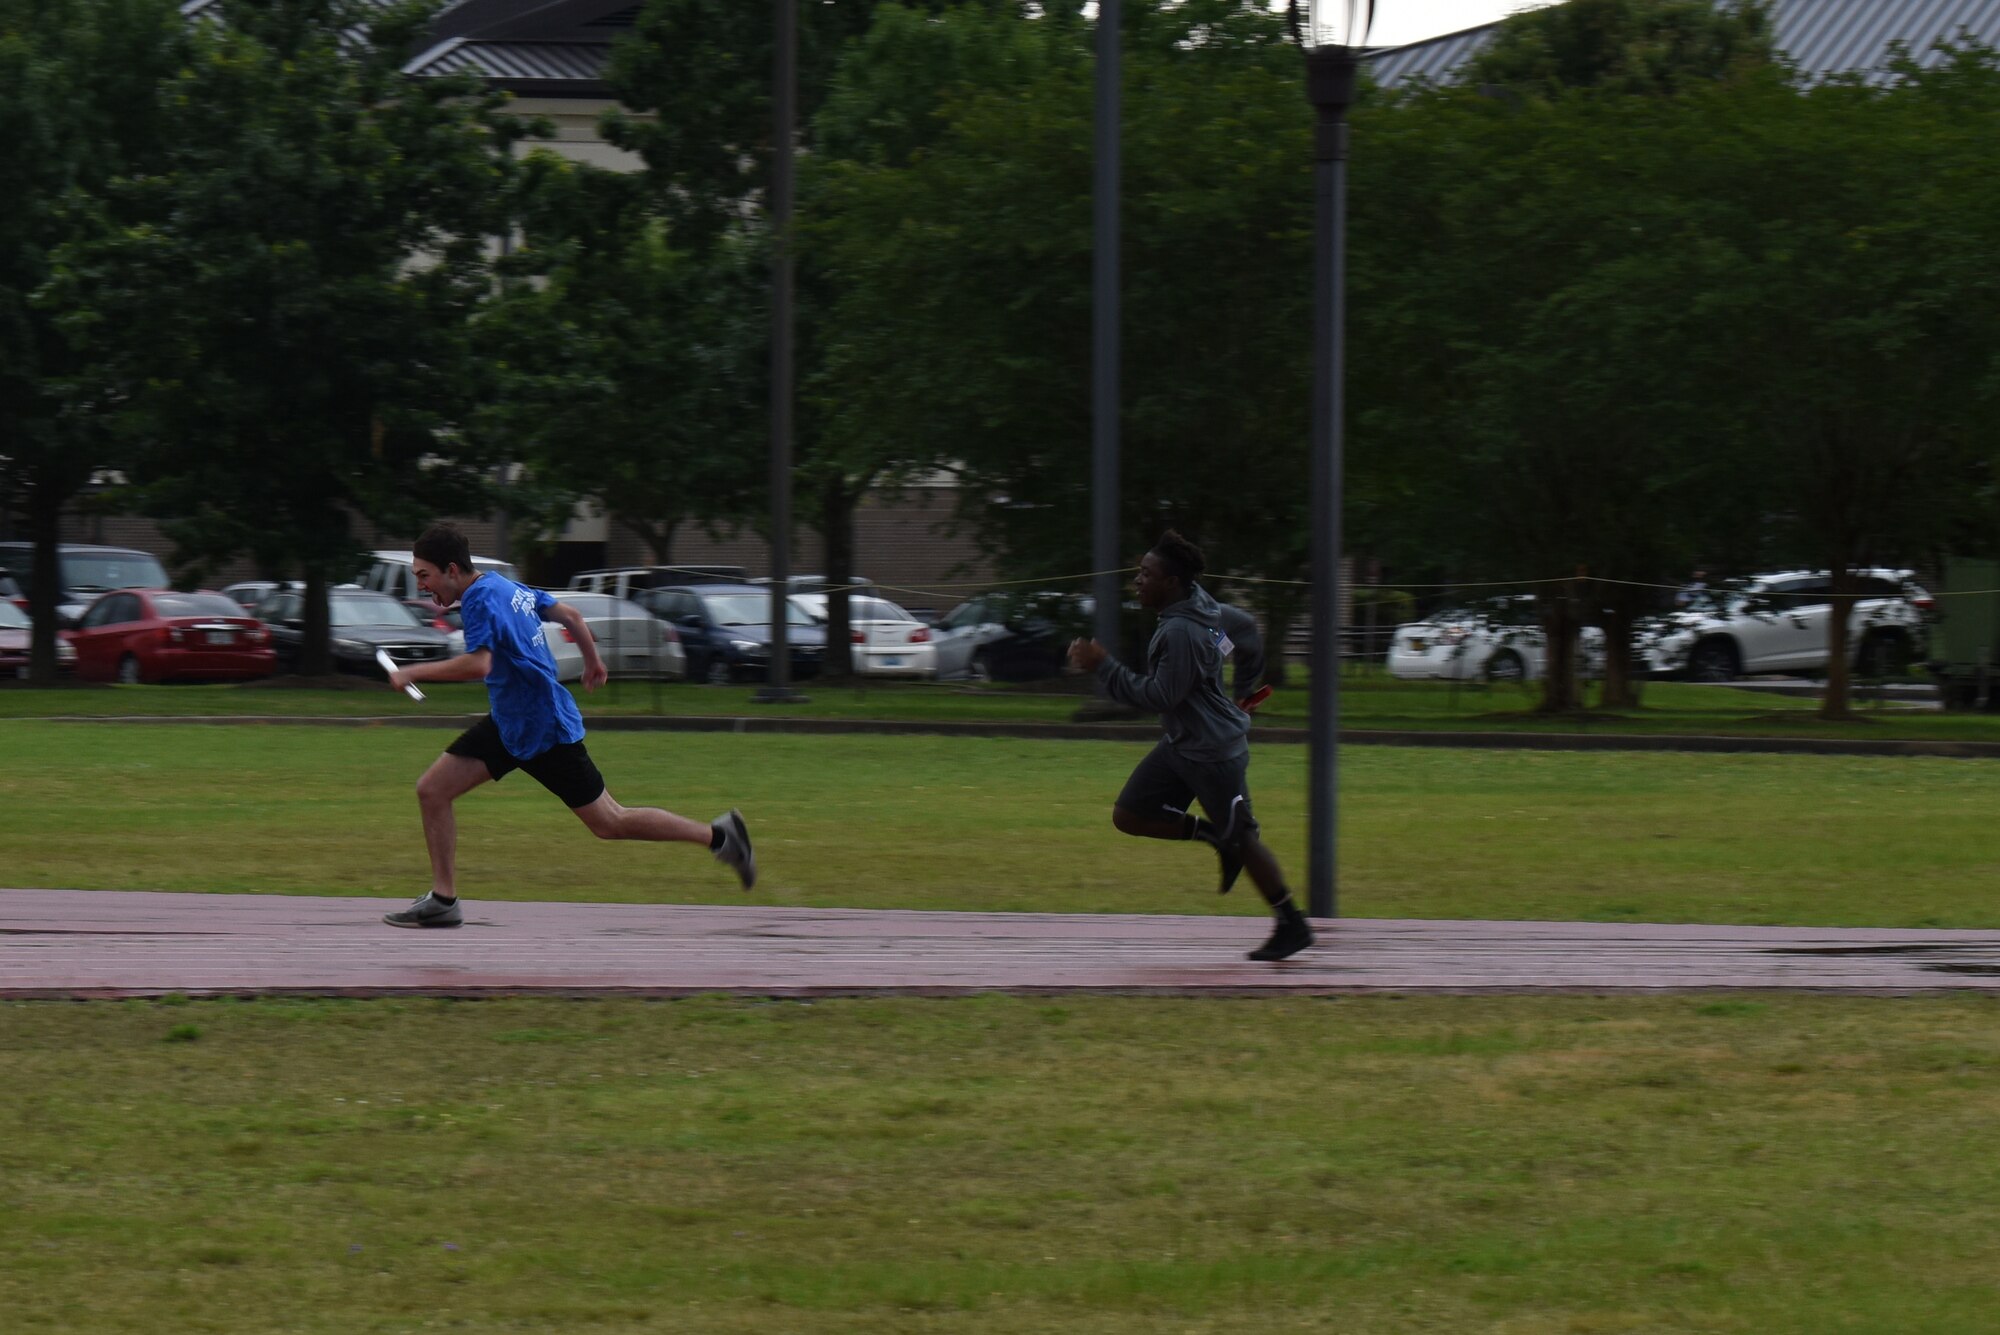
715	629
1776	623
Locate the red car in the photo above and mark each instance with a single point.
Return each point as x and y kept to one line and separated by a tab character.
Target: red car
136	635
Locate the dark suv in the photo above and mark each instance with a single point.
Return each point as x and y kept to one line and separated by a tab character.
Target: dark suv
85	572
726	631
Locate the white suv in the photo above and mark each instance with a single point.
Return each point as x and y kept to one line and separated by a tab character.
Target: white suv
391	573
1778	623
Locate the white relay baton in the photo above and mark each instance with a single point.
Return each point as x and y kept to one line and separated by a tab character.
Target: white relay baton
389	665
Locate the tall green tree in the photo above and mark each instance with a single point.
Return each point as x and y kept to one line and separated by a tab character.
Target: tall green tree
1529	370
627	371
1856	315
79	83
887	107
1545	416
283	305
1646	48
697	74
960	274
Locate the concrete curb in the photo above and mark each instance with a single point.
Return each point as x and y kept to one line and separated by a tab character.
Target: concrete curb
1128	732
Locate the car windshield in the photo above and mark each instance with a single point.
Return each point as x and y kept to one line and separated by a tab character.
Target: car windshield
1482	616
875	609
751	609
95	573
373	609
195	605
13	618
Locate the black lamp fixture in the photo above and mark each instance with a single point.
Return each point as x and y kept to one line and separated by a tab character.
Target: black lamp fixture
1332	34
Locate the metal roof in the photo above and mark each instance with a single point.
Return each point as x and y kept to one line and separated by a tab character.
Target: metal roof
548	48
572	68
1819	37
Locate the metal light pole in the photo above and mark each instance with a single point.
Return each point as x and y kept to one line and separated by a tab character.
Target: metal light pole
1108	585
777	687
1333	48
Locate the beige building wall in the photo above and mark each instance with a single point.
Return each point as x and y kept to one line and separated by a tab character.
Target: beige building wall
576	134
902	540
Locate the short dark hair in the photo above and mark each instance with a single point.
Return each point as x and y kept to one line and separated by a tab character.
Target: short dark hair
444	545
1181	557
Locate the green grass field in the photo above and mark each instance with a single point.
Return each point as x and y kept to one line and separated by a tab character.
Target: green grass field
1004	824
1369	700
1526	1166
993	1165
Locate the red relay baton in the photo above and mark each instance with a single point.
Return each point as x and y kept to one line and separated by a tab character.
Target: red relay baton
1248	704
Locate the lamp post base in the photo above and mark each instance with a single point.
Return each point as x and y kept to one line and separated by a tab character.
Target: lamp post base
778	695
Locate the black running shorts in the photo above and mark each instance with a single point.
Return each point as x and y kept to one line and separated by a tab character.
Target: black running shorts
565	769
1165	782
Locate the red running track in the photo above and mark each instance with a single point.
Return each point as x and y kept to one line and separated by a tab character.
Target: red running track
82	943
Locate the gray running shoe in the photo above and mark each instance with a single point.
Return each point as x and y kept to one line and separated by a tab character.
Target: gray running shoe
735	850
427	912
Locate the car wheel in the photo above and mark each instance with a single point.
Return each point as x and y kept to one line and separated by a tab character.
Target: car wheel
1884	653
1714	661
1506	668
128	671
718	671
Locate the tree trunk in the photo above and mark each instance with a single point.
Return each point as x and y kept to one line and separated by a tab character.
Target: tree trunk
658	537
1559	627
1834	704
1621	688
315	638
44	589
837	502
1279	605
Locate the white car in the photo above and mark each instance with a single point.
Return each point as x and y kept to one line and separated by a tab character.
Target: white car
631	641
1483	644
885	640
1778	623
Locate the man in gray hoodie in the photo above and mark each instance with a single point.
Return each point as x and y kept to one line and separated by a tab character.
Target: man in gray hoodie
1205	753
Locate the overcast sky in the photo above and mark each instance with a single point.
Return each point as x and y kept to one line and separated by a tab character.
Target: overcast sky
1401	21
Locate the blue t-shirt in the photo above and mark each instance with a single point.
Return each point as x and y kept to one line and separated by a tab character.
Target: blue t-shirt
532	709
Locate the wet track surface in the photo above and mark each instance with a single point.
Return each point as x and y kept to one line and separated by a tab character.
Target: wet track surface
77	943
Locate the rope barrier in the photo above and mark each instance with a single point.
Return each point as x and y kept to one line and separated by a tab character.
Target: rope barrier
952	589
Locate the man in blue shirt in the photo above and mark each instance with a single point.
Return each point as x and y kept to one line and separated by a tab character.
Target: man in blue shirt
534	725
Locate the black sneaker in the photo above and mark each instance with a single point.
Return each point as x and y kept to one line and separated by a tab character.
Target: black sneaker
430	911
735	850
1288	938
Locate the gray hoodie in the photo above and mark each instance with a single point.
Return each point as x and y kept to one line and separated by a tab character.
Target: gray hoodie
1184	681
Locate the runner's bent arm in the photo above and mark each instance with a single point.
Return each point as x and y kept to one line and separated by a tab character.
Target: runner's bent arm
572	620
1173	676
